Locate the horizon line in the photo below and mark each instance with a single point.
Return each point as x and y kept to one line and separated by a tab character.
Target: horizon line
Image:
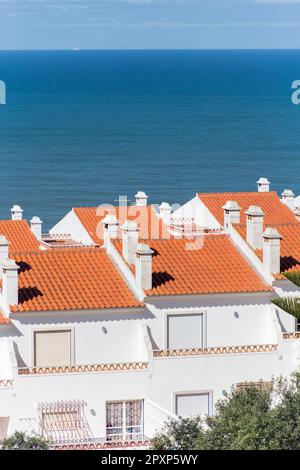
151	49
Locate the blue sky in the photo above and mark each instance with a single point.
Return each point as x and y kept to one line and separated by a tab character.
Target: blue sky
149	24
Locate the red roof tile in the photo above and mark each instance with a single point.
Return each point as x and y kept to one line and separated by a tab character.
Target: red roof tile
19	235
78	278
216	267
4	320
275	211
149	224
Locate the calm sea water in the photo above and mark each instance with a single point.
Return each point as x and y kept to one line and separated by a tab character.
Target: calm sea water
81	128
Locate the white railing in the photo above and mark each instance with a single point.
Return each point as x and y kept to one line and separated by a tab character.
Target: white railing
155	417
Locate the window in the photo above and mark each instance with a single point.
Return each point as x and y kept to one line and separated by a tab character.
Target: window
297	324
52	348
124	421
193	404
185	331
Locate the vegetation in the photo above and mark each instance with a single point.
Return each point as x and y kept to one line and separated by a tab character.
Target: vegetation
23	441
290	305
179	434
294	277
249	418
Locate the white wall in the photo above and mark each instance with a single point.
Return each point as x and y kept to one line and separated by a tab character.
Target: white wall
196	210
231	320
125	341
103	337
70	224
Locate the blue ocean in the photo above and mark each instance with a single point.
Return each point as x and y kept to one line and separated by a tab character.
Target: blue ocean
82	127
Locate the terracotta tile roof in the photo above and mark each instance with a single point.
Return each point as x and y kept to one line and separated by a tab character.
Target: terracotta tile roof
217	267
145	216
19	235
4	320
78	278
289	245
275	211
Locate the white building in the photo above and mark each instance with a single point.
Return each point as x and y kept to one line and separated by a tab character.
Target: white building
100	344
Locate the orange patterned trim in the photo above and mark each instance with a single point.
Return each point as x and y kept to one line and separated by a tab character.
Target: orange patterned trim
104	445
85	368
295	335
6	383
260	348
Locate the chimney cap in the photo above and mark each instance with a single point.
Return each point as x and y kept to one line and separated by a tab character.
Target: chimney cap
16	208
271	233
263	180
254	211
3	241
165	205
288	192
9	264
231	206
143	249
36	220
110	219
130	226
141	194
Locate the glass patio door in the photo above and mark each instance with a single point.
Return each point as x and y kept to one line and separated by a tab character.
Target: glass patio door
124	420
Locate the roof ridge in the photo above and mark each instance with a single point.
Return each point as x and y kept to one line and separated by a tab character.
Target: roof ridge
236	192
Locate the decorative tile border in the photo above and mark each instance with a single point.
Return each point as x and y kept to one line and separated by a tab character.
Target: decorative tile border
260	348
103	445
6	383
128	366
295	335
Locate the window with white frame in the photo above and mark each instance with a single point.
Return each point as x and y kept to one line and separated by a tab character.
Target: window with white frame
52	348
193	404
185	331
297	324
124	420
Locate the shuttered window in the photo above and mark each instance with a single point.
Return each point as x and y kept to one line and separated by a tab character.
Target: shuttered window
185	331
52	348
193	404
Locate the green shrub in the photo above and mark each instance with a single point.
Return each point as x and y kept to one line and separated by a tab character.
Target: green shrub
23	441
290	305
294	277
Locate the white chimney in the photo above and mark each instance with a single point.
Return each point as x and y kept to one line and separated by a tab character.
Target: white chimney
110	228
254	226
143	266
288	198
271	251
165	212
130	240
10	282
4	243
263	185
16	213
36	227
141	198
232	213
3	248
